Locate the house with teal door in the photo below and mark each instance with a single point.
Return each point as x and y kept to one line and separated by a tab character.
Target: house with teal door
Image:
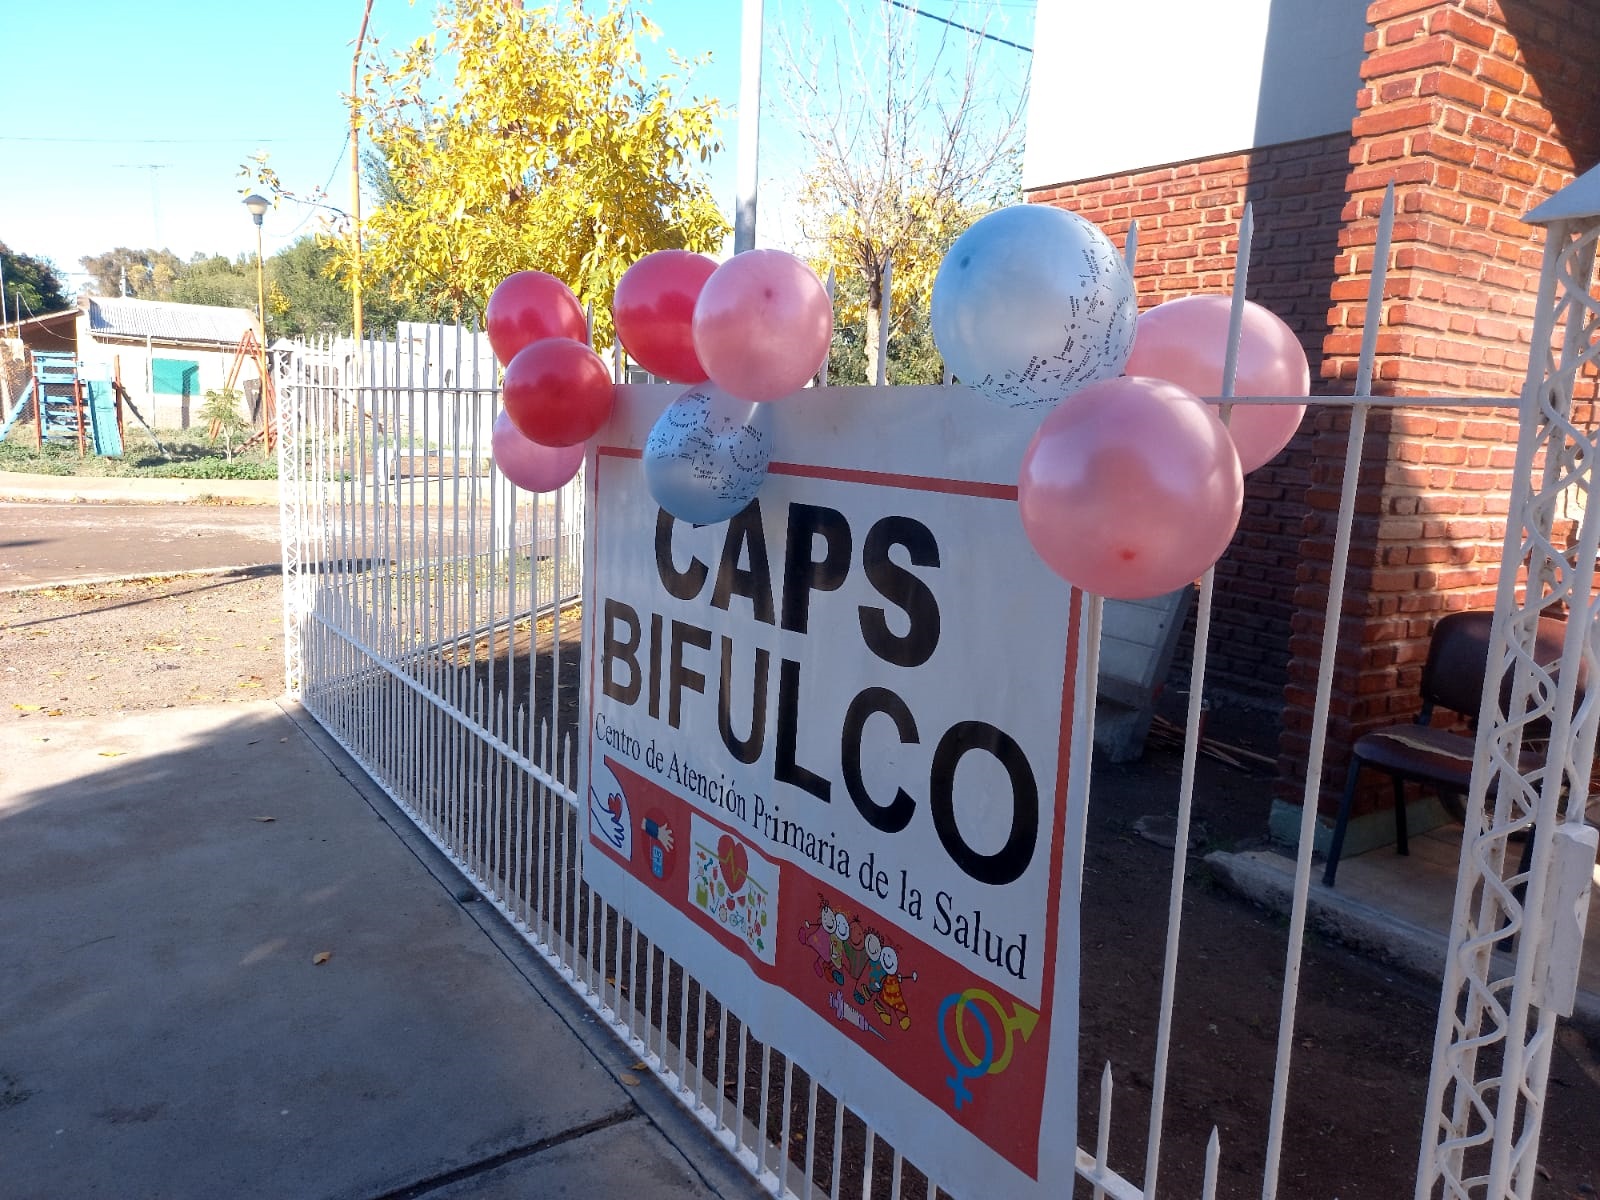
167	355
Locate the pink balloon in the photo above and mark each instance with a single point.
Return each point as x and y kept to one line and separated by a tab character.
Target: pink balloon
762	325
1186	341
530	466
1130	488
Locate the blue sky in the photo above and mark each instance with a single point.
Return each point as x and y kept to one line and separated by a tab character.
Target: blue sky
132	134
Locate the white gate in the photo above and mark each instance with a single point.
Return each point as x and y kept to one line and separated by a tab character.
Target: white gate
430	630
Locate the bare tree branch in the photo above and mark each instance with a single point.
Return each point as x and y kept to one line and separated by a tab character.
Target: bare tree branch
905	137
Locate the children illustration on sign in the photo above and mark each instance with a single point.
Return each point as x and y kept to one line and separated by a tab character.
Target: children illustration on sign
861	965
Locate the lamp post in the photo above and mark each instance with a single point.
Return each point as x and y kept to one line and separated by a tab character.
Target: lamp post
257	205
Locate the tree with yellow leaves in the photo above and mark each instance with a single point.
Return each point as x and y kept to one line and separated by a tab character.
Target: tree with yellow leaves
553	150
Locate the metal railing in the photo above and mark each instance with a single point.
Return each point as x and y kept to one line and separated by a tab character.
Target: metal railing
431	630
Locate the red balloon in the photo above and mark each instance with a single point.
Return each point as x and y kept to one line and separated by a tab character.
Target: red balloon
1130	488
529	306
557	392
654	313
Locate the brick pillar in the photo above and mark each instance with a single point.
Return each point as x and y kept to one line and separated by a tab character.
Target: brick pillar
1454	110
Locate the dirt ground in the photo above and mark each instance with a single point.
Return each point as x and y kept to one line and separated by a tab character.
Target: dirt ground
88	650
1364	1031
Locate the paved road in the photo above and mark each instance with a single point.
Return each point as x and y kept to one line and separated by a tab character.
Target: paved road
45	543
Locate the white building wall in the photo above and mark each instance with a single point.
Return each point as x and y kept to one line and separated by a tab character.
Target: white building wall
100	359
1311	70
1121	86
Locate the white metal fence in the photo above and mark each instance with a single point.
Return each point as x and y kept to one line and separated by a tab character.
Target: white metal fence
431	630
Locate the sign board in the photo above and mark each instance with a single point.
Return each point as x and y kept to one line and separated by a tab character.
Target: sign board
833	768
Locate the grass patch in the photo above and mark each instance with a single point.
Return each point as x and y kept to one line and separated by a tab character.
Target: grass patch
190	455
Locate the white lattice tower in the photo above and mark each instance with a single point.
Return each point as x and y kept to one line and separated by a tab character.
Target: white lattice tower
1516	938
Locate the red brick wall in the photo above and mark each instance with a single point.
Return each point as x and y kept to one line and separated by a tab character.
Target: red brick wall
1476	110
1188	216
1453	110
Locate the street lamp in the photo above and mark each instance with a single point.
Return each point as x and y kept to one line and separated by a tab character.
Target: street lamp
257	205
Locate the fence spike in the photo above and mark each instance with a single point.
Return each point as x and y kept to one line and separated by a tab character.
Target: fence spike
1102	1143
1213	1154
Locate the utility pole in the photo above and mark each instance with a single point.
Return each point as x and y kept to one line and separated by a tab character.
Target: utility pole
747	163
355	177
155	206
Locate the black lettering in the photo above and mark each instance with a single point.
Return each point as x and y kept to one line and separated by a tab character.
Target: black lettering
615	651
896	815
746	750
745	534
1008	863
686	584
655	666
903	589
786	770
679	674
803	574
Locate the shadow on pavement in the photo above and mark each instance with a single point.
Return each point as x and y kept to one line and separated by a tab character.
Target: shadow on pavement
173	881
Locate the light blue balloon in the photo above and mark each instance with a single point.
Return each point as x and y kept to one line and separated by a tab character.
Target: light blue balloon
707	455
1031	303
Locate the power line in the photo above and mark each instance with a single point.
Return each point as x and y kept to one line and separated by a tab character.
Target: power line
311	208
913	9
107	141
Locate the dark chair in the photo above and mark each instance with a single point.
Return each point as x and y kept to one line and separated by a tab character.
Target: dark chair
1452	678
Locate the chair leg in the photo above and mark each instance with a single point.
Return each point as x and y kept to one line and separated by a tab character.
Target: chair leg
1346	802
1400	845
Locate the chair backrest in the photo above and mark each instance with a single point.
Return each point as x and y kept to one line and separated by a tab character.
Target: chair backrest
1458	659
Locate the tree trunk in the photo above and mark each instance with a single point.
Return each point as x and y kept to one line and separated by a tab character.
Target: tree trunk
872	341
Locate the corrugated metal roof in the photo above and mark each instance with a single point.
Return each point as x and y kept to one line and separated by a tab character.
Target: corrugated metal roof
122	317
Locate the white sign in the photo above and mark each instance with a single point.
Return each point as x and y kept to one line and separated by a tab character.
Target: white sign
830	765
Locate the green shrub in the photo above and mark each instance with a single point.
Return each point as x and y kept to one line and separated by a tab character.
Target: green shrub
215	468
188	455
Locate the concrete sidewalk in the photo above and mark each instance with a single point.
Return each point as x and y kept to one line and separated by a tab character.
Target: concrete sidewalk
170	880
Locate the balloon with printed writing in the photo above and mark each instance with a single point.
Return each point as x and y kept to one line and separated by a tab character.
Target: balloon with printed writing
1131	488
532	467
762	325
707	455
1186	341
528	306
654	313
1030	304
557	392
